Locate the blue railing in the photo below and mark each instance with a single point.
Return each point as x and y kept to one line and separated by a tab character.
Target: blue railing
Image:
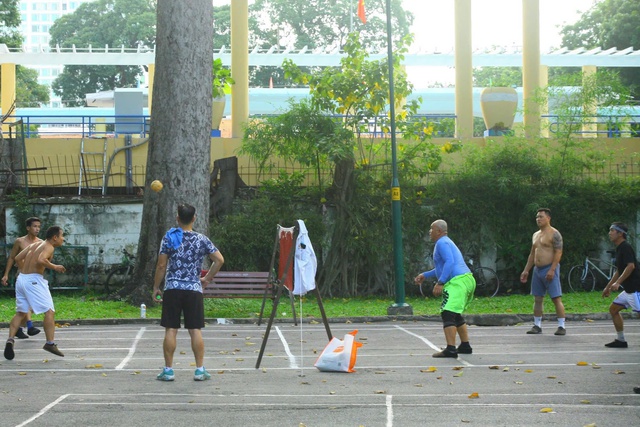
85	125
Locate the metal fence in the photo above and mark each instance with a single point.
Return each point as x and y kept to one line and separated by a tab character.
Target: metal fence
74	258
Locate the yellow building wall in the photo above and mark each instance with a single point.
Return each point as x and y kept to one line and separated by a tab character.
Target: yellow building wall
59	158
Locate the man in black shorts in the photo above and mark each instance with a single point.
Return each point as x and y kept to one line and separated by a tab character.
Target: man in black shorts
181	255
627	276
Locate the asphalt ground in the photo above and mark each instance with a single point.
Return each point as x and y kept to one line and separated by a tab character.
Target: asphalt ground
108	377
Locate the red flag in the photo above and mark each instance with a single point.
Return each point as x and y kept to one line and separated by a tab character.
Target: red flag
361	14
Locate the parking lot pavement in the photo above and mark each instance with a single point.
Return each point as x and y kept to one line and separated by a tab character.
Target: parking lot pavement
107	378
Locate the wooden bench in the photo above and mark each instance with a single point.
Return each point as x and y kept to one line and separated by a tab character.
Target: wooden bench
238	284
243	284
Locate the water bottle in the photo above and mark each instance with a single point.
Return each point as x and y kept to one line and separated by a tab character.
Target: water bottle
143	311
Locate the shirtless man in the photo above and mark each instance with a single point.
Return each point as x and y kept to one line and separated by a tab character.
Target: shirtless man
546	251
32	290
33	225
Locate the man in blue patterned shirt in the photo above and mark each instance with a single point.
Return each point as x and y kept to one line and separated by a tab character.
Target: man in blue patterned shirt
180	259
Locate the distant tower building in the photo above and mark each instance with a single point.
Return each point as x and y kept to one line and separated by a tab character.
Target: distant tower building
37	18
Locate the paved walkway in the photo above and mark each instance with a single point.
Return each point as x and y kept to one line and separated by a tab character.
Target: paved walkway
107	378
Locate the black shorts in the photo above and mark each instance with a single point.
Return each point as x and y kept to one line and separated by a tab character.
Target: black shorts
176	303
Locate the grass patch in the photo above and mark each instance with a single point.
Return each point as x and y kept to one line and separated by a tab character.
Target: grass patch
79	305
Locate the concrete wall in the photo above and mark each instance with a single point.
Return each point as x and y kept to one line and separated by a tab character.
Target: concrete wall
105	226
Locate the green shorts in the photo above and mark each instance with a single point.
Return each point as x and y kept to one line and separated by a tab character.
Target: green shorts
457	293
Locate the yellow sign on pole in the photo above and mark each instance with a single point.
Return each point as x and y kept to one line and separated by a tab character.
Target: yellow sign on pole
395	193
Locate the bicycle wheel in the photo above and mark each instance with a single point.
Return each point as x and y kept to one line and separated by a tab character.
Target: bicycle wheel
579	281
487	283
116	278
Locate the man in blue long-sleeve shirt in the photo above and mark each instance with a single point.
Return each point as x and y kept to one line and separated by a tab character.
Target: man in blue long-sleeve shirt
456	285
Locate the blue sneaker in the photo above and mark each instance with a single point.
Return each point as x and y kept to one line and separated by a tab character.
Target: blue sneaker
166	375
201	375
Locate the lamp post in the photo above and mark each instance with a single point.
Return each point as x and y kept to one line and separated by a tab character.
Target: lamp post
399	307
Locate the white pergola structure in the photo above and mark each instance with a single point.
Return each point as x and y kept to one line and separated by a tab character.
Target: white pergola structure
535	65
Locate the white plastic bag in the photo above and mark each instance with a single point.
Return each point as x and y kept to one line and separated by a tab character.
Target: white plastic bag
339	355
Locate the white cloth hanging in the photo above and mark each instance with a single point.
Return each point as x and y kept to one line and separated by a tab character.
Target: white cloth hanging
305	264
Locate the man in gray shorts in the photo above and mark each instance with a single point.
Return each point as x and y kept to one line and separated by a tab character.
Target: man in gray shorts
546	251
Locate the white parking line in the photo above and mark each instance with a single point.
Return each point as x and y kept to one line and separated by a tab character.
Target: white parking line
132	350
430	344
389	411
44	410
292	359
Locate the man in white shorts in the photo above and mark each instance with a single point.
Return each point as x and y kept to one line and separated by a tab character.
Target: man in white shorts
32	290
627	276
33	229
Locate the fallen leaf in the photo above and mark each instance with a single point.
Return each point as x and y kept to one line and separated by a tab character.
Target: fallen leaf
505	369
379	373
104	375
528	371
582	364
264	369
239	359
520	362
22	373
592	424
518	382
494	367
332	392
457	368
590	321
617	372
379	392
417	385
183	352
459	374
192	364
474	395
465	421
586	402
429	369
222	372
314	322
546	410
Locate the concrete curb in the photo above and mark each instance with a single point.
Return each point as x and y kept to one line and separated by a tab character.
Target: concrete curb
472	319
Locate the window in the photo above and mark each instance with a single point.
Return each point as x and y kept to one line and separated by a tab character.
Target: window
35	28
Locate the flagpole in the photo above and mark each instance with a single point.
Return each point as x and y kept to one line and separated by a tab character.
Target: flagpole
399	307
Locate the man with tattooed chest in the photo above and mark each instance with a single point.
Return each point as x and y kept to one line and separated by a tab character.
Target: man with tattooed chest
546	251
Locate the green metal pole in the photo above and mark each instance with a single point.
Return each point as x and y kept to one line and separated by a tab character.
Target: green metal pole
400	307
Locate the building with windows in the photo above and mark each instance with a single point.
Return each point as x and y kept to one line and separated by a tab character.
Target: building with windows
37	18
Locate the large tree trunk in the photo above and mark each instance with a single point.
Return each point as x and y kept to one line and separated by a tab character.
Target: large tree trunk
180	141
337	269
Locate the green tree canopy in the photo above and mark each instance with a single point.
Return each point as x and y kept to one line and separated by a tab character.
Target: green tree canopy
320	24
29	93
113	23
609	23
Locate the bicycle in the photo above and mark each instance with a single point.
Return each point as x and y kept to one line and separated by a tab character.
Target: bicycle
118	275
582	278
487	282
